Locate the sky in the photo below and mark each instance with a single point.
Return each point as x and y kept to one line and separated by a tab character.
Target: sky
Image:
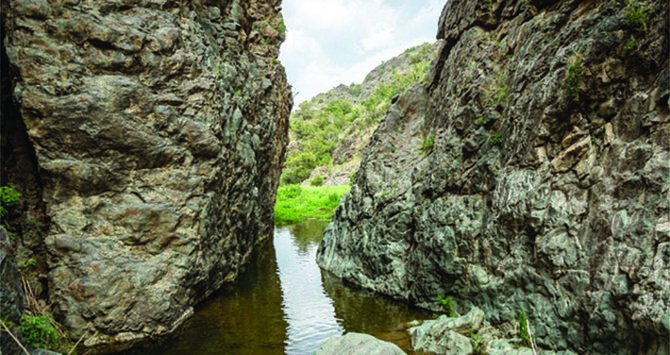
332	42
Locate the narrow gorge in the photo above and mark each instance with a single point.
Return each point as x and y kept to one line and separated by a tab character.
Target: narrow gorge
512	176
533	172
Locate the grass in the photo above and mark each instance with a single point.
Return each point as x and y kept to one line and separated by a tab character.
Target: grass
574	80
523	328
427	145
297	203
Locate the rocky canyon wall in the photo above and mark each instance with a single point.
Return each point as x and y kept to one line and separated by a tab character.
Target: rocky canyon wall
532	172
150	134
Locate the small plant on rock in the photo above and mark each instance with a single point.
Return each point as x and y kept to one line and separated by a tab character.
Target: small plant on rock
317	181
637	16
477	343
523	328
8	198
428	144
496	138
574	79
27	263
448	305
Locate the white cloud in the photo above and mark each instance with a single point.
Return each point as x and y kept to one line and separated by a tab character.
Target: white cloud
330	42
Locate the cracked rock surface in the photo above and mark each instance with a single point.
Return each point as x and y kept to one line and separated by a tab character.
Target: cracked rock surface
159	129
547	186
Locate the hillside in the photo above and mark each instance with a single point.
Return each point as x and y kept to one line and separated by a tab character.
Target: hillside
328	132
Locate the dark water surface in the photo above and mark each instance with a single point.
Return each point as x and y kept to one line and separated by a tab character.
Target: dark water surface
283	303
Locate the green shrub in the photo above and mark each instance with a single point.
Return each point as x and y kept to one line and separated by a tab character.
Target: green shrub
574	79
477	343
637	16
523	328
629	45
8	198
496	138
448	305
27	263
317	181
428	144
282	30
39	331
480	121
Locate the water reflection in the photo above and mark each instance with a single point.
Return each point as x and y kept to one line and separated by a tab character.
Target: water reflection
309	311
362	311
245	318
283	303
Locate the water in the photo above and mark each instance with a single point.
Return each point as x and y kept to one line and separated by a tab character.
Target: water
283	303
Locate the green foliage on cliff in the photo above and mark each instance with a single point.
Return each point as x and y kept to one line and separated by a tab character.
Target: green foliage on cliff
42	332
8	198
345	115
574	79
448	305
637	16
523	328
296	204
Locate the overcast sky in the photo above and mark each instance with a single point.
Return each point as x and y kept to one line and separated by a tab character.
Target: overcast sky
332	42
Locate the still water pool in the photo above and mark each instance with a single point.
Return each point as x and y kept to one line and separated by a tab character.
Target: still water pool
283	303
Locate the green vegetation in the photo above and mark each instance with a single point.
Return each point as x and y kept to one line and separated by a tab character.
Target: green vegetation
637	16
317	181
523	328
630	44
282	30
42	332
448	305
8	198
427	144
338	118
480	121
574	79
296	204
496	138
27	263
477	343
501	89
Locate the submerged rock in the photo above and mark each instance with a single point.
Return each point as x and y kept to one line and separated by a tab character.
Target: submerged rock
159	130
532	172
356	343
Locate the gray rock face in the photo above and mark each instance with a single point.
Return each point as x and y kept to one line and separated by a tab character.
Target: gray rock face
12	298
356	343
159	129
446	335
548	183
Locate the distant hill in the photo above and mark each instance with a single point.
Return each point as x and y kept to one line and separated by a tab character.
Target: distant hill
329	132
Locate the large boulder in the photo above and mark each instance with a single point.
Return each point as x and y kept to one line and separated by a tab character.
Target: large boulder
159	130
532	172
356	343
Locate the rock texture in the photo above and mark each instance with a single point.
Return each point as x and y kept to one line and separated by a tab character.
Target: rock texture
12	298
533	172
159	129
356	343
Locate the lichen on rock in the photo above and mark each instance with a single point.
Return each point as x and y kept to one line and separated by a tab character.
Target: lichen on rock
531	196
159	129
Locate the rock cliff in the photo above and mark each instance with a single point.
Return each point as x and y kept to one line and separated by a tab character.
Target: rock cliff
150	134
532	172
